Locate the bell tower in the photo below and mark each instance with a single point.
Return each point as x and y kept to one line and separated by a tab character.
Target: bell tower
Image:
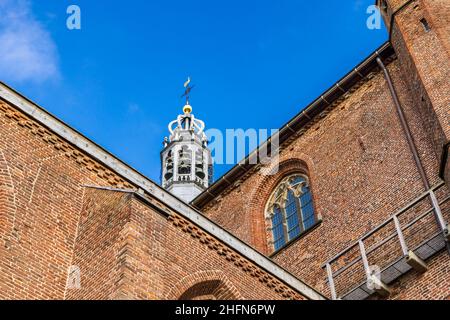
185	159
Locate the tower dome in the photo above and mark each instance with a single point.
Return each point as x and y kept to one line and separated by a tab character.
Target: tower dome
186	160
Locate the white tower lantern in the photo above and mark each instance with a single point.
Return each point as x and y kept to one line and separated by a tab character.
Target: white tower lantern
186	160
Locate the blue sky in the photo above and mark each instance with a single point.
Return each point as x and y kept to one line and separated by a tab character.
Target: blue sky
119	79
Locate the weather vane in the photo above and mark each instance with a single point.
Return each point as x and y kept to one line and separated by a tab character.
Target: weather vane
188	88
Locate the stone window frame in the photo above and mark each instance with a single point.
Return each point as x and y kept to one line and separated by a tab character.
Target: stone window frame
279	198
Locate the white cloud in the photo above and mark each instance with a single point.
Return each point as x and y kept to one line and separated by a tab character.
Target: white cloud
27	51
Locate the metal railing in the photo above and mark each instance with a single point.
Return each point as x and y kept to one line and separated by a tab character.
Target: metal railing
426	233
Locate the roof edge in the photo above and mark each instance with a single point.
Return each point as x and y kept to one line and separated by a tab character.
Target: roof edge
81	142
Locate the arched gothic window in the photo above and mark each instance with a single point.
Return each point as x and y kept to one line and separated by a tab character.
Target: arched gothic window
290	210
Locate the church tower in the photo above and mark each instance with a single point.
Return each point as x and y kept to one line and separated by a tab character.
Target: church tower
419	32
185	159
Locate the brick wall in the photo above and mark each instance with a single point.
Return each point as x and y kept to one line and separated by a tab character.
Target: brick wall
206	260
431	285
361	171
357	159
100	247
41	193
127	249
425	57
52	219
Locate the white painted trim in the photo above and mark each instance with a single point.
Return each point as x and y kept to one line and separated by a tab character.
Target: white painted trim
64	131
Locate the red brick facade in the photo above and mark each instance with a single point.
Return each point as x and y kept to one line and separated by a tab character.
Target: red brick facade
360	168
128	250
425	59
64	205
360	171
125	245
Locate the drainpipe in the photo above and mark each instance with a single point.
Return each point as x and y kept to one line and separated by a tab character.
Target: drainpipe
401	115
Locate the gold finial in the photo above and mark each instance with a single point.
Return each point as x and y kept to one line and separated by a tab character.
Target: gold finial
187	108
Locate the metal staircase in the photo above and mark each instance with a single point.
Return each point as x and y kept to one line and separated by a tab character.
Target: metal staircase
403	242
